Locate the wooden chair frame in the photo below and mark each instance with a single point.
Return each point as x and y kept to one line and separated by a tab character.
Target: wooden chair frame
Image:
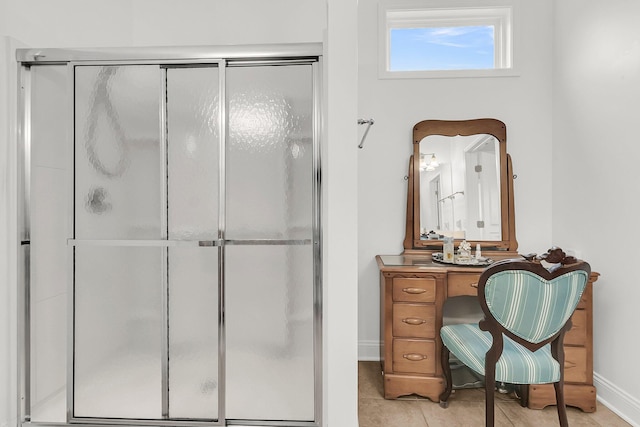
490	324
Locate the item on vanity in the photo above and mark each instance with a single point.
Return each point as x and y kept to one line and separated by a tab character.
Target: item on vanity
464	251
457	260
556	255
553	259
447	250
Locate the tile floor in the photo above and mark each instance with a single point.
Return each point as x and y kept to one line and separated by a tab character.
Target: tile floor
466	409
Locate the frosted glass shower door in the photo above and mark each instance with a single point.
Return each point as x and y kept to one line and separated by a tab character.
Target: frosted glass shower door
145	292
48	295
195	243
269	254
118	331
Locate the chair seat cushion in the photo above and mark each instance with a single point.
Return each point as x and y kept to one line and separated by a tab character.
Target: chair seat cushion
516	365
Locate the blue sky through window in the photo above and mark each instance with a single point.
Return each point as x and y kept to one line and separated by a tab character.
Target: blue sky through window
442	48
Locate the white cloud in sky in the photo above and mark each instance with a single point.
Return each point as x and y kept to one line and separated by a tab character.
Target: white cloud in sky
459	37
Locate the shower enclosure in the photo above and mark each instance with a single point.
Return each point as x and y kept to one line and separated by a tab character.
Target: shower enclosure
170	233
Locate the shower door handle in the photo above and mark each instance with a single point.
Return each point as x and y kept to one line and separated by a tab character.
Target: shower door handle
207	243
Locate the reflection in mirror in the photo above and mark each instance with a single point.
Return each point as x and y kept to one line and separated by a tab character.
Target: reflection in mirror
460	188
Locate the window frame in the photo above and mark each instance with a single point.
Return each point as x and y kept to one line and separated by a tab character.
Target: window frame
501	14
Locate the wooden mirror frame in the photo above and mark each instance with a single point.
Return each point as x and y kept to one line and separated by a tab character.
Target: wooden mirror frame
493	127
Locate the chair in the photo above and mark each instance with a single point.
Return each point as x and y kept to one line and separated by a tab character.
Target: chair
527	308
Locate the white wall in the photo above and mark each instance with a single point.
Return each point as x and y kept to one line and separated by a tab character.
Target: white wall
8	236
69	23
522	102
5	306
596	203
197	22
340	183
77	23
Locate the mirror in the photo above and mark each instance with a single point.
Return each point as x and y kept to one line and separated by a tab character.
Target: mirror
460	185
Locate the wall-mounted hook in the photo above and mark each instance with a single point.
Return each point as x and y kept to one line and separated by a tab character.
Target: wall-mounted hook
365	122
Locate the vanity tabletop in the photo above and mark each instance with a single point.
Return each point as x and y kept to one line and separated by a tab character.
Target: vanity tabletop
422	262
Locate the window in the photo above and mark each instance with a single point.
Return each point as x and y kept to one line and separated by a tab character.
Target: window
429	41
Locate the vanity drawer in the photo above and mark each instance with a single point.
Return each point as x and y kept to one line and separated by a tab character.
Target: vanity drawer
577	335
460	284
414	320
414	356
575	364
421	289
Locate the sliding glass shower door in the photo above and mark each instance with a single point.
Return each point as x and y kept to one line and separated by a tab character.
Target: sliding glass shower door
193	246
269	233
148	232
146	193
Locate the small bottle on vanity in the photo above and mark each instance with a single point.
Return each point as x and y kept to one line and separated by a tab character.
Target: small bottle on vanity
447	249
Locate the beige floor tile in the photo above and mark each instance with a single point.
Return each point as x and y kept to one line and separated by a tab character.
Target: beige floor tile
606	417
460	414
370	380
524	417
548	416
466	409
390	413
476	395
463	395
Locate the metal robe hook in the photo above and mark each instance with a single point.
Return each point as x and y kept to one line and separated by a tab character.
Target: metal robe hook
365	122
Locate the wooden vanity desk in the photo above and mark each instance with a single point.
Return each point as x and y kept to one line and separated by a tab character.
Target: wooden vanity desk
414	288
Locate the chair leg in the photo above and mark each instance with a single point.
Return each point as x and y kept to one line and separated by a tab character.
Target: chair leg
446	369
522	391
489	387
562	409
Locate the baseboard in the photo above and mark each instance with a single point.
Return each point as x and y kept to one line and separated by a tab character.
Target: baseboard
619	401
369	350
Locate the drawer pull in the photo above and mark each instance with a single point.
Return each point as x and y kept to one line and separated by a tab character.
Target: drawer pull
414	357
474	285
414	321
414	290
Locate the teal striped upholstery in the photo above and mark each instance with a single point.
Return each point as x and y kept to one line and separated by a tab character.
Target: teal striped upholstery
530	306
526	307
516	365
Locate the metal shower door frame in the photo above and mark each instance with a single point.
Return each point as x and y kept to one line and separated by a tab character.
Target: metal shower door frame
164	58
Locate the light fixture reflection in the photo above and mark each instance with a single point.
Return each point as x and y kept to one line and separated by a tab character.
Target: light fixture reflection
260	120
429	166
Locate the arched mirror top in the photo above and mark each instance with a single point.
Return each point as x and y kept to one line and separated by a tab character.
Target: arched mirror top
460	185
